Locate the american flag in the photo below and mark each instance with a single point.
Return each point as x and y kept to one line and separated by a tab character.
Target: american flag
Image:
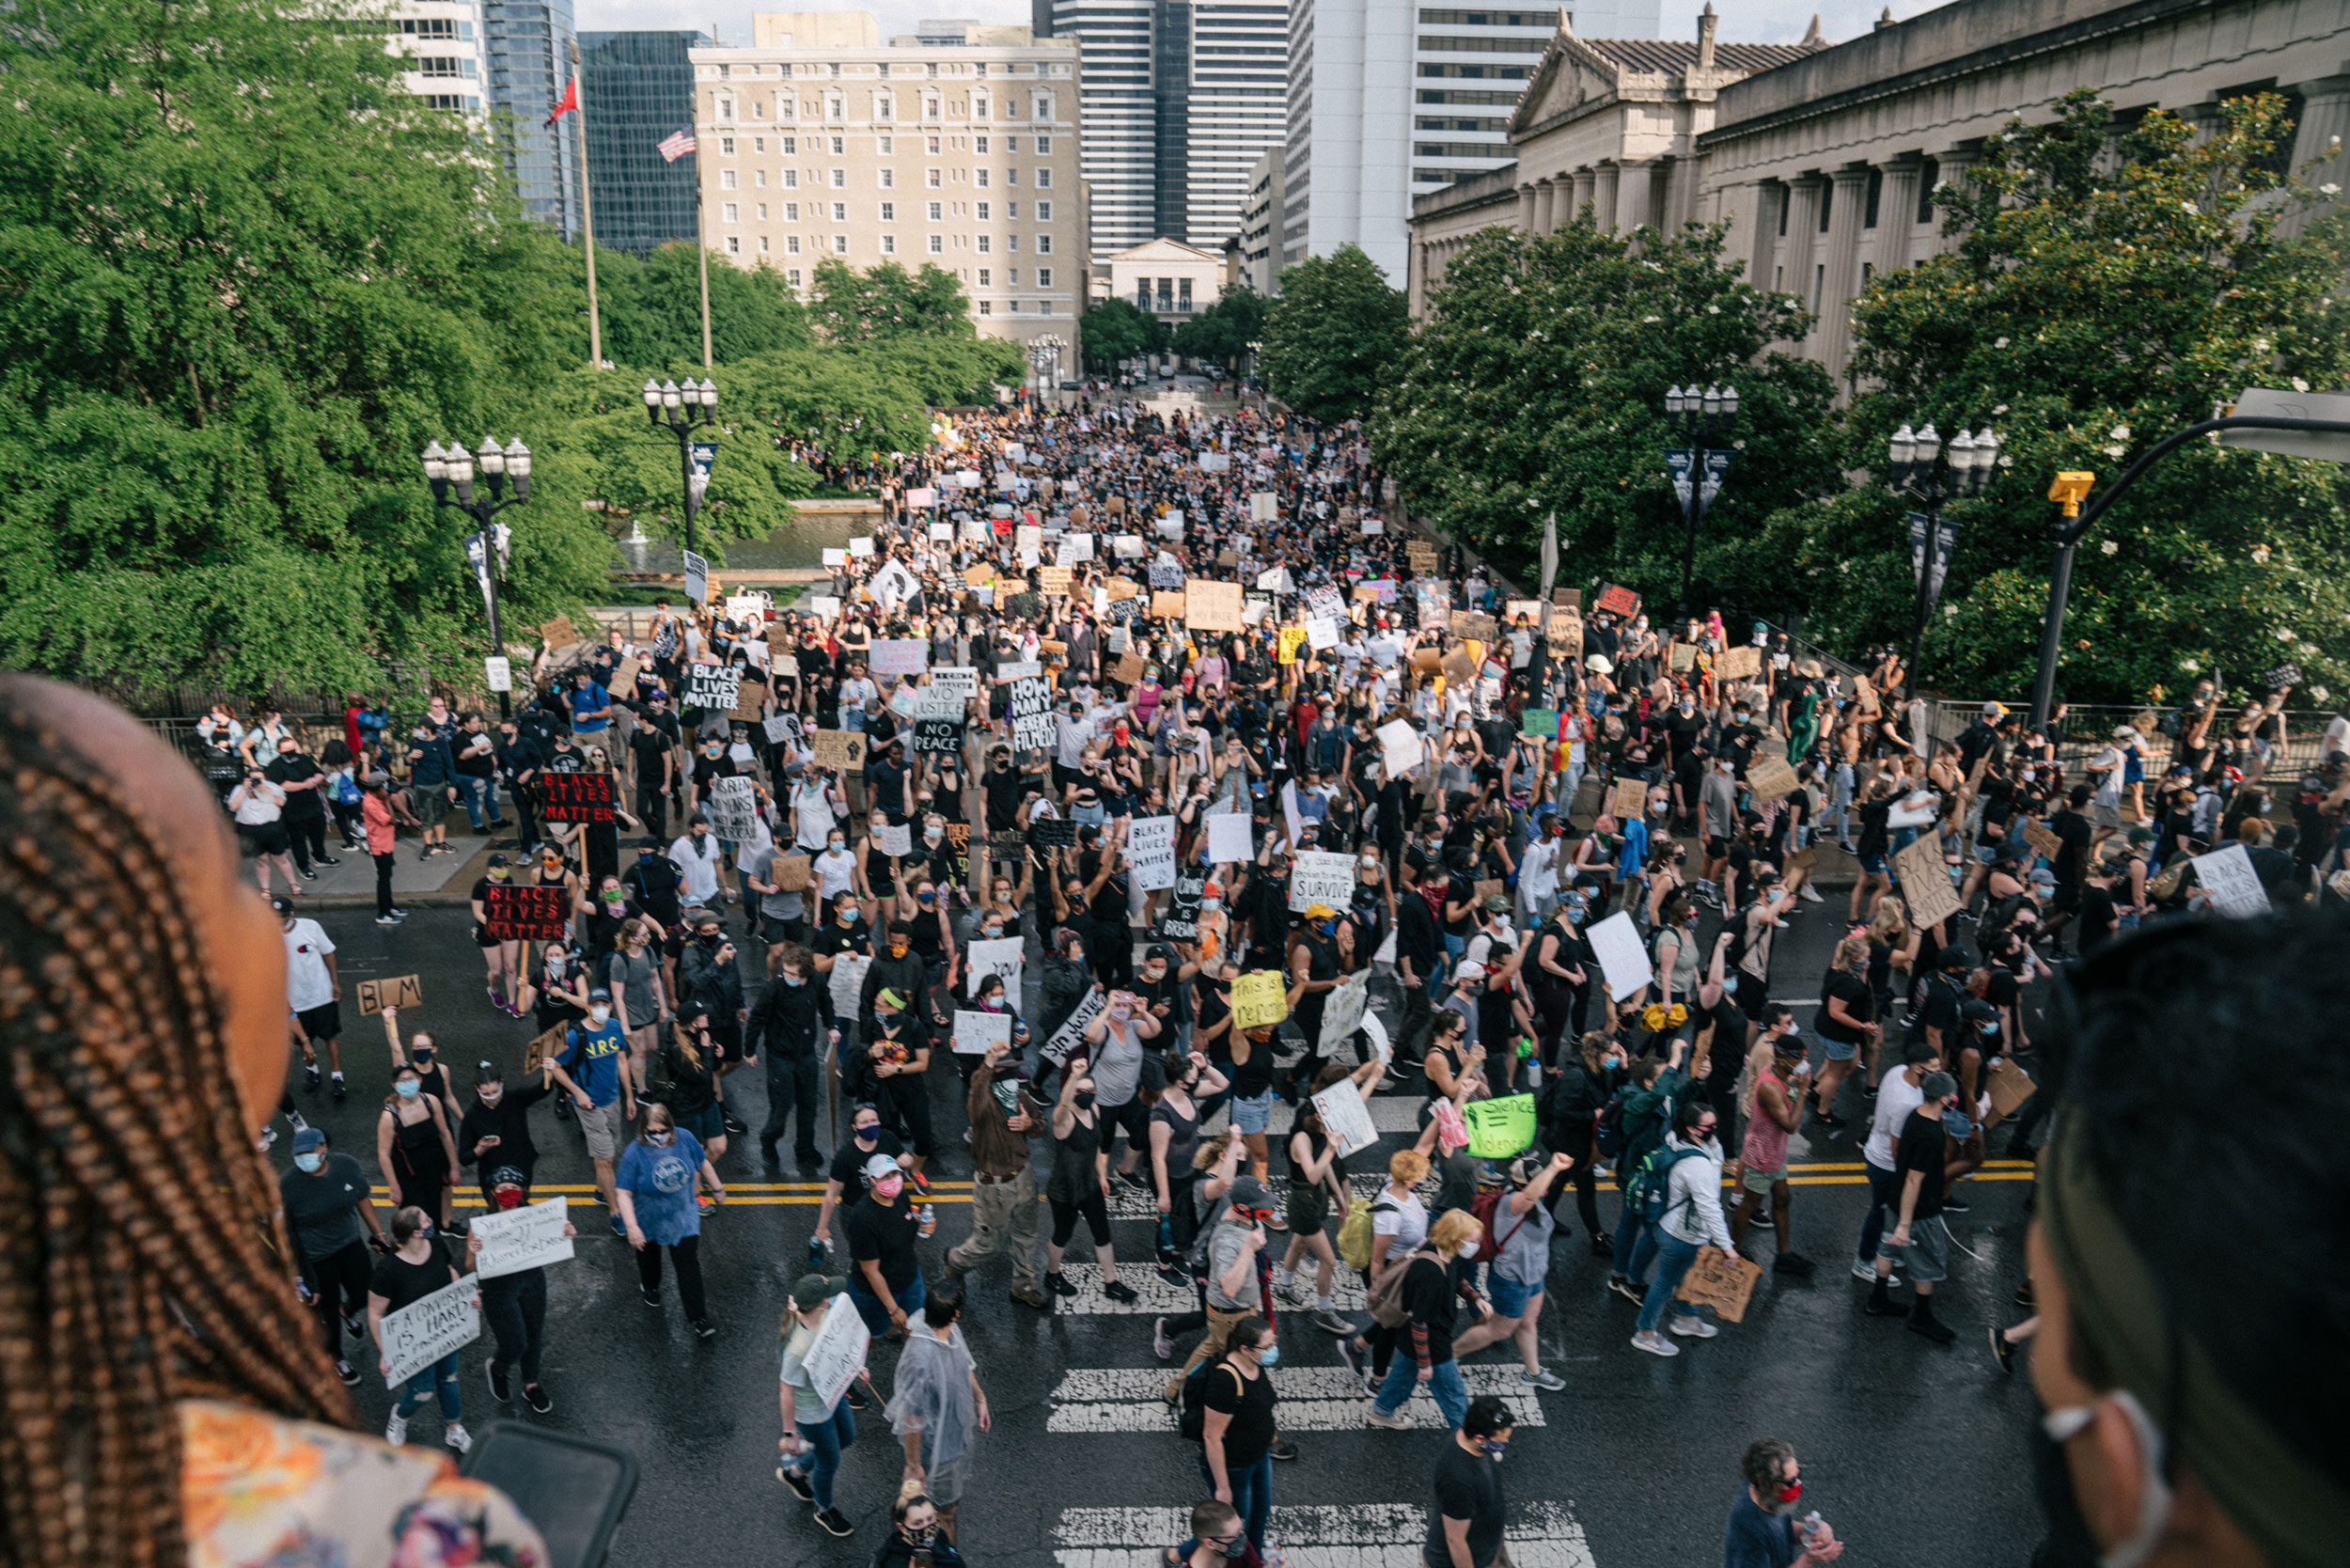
679	144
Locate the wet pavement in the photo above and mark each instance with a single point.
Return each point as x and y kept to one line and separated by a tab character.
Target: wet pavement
1915	1453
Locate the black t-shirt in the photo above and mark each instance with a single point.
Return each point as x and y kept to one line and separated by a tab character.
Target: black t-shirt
472	764
2099	918
1919	1149
1940	1007
1469	1486
1859	1001
1005	789
850	1160
649	744
2074	837
1249	1401
881	1236
322	1210
402	1283
1429	1300
296	769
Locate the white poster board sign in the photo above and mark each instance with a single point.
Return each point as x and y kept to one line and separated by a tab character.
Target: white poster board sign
837	1355
1346	1119
1617	942
1318	876
2235	887
976	1031
416	1335
861	547
1001	956
1229	839
848	983
897	838
733	805
1321	633
900	656
1401	749
1343	1011
529	1237
1150	851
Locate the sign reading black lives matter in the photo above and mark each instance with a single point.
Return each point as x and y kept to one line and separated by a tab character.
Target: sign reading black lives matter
575	797
712	687
1032	706
517	913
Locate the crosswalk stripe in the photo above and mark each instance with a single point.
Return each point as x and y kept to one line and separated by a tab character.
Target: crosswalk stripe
1312	1398
1155	1298
1345	1535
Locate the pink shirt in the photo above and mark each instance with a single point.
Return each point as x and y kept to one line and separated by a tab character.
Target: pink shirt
376	818
1766	1147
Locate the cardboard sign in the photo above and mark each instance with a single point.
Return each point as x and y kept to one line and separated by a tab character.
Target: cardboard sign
1738	663
1129	669
2042	842
623	682
1420	553
1722	1280
1170	606
1622	955
1567	599
1259	998
1682	656
418	1335
542	1049
1213	606
1401	747
529	1237
398	991
781	729
790	872
1629	801
840	748
1319	876
1346	1119
557	632
2235	887
1473	623
1151	852
1500	1129
1459	669
1769	777
976	1031
2011	1087
750	702
1619	602
1925	881
976	577
515	913
1230	838
576	798
1053	581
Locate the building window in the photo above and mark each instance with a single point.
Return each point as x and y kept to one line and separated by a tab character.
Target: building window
1183	294
1044	211
889	145
1012	243
930	179
1818	285
978	144
1011	144
979	106
762	211
1012	177
725	108
734	245
889	211
840	180
1142	293
1828	202
792	146
792	275
841	244
1012	278
986	243
835	107
889	244
726	179
758	178
725	147
729	213
982	214
980	177
889	179
1044	245
1044	107
987	278
840	212
1785	196
791	179
792	212
1044	180
934	211
762	245
937	246
1011	211
987	308
759	144
790	244
1044	278
884	107
1043	147
932	146
840	147
787	107
758	110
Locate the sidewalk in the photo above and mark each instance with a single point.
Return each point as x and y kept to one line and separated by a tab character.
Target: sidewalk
443	881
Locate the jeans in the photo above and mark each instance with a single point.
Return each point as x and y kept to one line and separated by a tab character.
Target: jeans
480	795
687	1254
1444	1381
1882	1190
1252	1493
875	1314
1673	1258
441	1374
516	1306
1631	1232
827	1438
792	1085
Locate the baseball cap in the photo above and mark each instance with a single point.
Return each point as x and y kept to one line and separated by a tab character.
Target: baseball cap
1496	904
1995	709
308	1139
283	906
496	860
877	1166
1246	1192
599	994
1319	912
1472	970
813	1289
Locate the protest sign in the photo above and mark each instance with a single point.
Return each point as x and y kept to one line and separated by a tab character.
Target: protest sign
976	1031
529	1237
936	736
623	682
1071	1034
1052	832
997	956
837	1355
750	702
899	656
847	983
400	991
1129	670
1722	1280
1151	852
1682	656
1321	633
541	1048
1181	923
861	547
1622	957
1473	623
1769	776
1342	1009
516	913
1018	669
840	748
1030	705
922	497
2042	842
557	632
1317	876
1619	602
1211	606
1926	882
1292	638
1401	749
696	578
790	872
1229	838
836	556
1629	801
1541	724
1738	663
972	576
732	806
1346	1119
2235	887
416	1335
1500	1129
1053	580
896	840
1259	998
575	797
2009	1086
960	680
712	687
1262	507
781	729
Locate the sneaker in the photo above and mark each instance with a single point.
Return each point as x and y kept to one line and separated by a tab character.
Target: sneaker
396	1429
801	1486
1933	1329
1793	1265
857	1399
1283	1449
269	1139
1174	1275
1654	1344
335	1086
706	1204
425	853
1330	1322
653	1297
1161	1346
1625	1289
1693	1329
2025	1298
1346	1353
705	1329
355	1325
1867	1274
834	1523
457	1437
1371	1381
458	1228
535	1396
1286	1286
620	1227
734	1125
1955	1205
1882	1305
311	1077
328	861
1548	1381
385	921
348	1374
1391	1423
1763	1219
1810	894
1028	1296
1603	1247
497	999
501	1381
1277	1223
1135	1180
2002	1352
309	876
1118	1290
399	914
1059	1284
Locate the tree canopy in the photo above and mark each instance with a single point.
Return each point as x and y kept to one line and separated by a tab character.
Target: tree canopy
1224	330
887	302
1333	336
1115	330
651	309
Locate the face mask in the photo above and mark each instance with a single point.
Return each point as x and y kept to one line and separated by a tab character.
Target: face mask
2070	1543
489	1097
408	1089
933	835
795	980
1370	862
1791	1494
600	1013
1269	1357
991	1004
887	1190
421	1056
1211	905
308	1163
1236	1546
1494	1447
555	963
994	932
833	843
613	898
868	1135
499	873
1468	1248
1084	1100
660	1141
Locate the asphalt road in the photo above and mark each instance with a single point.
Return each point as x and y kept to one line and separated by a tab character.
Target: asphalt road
1915	1454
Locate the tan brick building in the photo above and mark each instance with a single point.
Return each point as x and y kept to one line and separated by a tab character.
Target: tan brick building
821	141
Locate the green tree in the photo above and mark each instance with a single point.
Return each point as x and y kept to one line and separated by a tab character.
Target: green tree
1224	330
652	308
1115	330
2103	291
1536	384
887	300
1333	336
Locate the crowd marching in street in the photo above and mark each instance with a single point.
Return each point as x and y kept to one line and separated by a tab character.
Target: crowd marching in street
1140	805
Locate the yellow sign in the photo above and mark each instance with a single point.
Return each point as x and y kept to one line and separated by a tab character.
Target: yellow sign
1293	637
1259	999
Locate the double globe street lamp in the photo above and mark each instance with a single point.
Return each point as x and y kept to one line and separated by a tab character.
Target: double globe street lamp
682	411
451	471
1932	472
1702	422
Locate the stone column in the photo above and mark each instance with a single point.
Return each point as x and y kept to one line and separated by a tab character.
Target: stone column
1951	170
1842	256
1526	209
1769	195
1586	184
1897	212
1545	206
1803	234
1603	197
2319	143
1634	183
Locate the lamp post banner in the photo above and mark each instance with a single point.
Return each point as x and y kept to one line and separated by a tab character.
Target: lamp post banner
1680	463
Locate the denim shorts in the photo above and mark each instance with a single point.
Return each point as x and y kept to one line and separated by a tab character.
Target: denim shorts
1252	1115
1927	1258
1875	865
1510	1298
1838	1050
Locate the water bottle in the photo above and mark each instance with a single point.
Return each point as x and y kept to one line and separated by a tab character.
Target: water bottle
1812	1527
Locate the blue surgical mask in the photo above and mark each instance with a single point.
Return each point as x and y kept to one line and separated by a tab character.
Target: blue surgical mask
1495	1446
1269	1357
308	1163
408	1089
796	982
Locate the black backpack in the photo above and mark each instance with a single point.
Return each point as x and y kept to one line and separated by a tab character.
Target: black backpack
1192	1418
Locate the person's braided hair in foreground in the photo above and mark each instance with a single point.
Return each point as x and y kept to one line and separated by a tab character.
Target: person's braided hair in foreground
142	1044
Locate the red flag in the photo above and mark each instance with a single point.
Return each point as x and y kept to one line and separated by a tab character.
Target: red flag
569	104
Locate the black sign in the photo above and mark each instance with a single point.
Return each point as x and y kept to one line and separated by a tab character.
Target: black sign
937	735
1181	923
1052	832
575	797
2283	677
520	912
715	686
958	849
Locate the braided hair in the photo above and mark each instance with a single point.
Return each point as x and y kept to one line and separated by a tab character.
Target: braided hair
142	1257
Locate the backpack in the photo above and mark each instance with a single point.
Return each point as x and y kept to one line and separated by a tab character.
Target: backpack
1483	1207
1386	1297
1569	1096
1192	1415
1356	1232
1649	1195
1608	1130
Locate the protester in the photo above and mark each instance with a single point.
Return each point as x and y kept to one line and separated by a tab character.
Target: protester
654	1190
415	1267
816	1430
332	1219
936	1406
1466	1524
1764	1532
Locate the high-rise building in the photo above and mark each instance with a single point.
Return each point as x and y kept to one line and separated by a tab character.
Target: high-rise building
1390	99
639	90
963	156
440	47
529	48
1117	114
1260	221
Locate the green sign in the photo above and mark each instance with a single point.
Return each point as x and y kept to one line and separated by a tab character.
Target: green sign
1541	722
1500	1129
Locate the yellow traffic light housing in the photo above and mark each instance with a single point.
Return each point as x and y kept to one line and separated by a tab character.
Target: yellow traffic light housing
2070	489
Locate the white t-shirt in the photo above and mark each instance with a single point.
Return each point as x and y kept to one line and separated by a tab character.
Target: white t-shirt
1406	1221
307	982
1897	1097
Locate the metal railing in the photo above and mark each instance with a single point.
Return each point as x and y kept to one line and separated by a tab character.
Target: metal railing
2083	730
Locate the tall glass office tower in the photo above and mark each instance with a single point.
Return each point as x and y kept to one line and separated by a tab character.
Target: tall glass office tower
528	45
639	92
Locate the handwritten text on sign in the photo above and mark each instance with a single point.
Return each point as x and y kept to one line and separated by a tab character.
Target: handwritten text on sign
522	1238
416	1335
575	797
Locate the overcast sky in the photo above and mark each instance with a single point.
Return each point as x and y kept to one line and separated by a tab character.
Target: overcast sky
1743	20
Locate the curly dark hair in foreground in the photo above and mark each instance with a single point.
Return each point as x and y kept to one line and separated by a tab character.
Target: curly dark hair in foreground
141	1256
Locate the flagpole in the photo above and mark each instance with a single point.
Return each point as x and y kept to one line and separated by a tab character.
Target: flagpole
587	221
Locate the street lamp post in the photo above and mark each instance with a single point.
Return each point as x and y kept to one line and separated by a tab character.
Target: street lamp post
450	472
682	411
1698	466
1966	468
